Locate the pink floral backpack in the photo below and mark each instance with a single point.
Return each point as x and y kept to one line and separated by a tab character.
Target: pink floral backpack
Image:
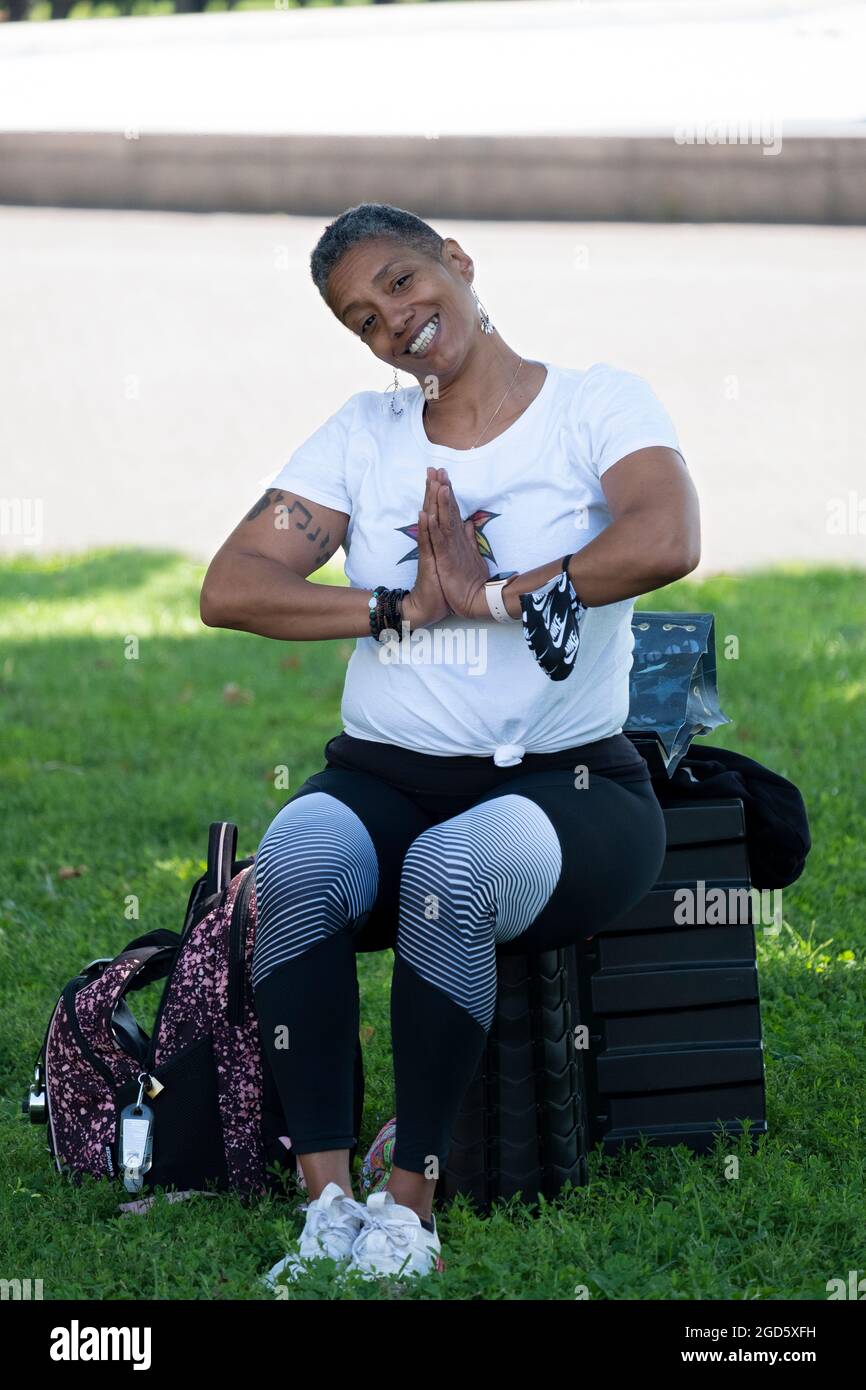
193	1106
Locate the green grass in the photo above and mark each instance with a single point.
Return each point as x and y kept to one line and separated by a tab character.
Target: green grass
118	766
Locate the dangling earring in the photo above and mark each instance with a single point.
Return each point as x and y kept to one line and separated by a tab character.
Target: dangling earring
395	388
486	325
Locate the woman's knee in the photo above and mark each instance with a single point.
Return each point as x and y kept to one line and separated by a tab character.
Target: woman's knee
424	879
613	855
316	872
494	865
445	926
316	836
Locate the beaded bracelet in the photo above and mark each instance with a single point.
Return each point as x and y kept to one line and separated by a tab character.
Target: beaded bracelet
386	610
392	610
373	603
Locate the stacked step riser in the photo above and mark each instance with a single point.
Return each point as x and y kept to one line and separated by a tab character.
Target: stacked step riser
672	1014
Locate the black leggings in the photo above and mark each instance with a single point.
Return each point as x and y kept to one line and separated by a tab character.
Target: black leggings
450	861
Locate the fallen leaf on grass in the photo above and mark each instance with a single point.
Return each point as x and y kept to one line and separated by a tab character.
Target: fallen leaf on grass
236	695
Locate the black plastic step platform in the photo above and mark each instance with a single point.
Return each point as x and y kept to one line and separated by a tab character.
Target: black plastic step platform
672	1012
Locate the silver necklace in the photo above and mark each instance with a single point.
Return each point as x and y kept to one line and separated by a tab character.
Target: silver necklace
496	411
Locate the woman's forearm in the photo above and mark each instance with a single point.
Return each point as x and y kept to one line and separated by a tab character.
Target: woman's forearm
251	593
623	561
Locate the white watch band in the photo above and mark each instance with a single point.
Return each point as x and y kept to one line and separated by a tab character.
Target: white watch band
493	591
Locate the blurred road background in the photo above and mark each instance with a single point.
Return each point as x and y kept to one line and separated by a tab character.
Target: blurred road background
158	367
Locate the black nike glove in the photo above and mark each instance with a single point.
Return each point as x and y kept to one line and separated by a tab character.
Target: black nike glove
551	624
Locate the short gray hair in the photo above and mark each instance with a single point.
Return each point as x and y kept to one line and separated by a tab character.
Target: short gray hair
369	220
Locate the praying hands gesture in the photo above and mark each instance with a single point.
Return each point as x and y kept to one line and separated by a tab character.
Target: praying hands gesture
451	571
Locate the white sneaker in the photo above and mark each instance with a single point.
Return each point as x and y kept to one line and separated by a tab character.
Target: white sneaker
393	1241
333	1223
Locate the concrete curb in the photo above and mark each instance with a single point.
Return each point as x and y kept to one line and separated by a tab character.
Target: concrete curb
811	179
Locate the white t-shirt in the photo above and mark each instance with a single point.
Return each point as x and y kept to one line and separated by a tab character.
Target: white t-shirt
534	493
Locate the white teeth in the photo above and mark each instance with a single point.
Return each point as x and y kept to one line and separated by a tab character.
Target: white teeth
425	336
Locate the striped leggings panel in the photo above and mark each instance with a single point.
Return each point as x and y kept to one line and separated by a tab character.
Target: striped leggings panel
477	879
480	878
316	872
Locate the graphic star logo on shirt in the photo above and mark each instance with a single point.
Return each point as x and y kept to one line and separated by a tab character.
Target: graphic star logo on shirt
479	521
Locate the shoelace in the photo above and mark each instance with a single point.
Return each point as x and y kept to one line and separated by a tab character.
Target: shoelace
324	1220
393	1231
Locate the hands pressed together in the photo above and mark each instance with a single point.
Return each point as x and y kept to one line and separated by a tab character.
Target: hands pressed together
451	570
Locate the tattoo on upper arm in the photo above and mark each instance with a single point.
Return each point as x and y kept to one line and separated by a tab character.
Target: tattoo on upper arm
282	522
267	500
273	498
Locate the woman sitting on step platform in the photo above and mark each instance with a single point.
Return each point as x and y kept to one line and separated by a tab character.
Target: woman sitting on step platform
499	518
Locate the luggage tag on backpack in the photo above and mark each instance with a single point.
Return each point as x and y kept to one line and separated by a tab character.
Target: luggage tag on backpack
136	1140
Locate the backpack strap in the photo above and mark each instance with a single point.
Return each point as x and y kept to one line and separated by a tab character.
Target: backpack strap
129	1032
151	963
107	1022
161	937
222	867
221	850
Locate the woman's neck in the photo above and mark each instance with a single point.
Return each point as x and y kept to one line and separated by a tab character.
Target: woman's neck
492	391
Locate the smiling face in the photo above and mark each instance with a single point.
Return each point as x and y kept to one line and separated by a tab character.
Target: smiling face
413	312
